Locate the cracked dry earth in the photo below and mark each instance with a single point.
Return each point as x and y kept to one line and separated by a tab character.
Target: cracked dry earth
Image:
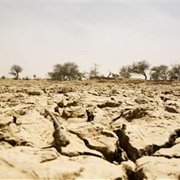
135	133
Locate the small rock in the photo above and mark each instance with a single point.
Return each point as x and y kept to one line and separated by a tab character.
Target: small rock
171	109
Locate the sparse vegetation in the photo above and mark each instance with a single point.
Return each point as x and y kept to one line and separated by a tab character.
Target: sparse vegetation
174	72
140	67
26	78
15	70
159	72
125	72
3	77
94	71
34	76
67	71
70	71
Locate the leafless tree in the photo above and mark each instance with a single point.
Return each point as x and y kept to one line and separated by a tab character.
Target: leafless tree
94	71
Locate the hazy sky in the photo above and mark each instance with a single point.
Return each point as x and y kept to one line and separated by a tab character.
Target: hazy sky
39	34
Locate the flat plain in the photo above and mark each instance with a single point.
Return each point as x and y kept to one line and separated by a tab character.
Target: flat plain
132	132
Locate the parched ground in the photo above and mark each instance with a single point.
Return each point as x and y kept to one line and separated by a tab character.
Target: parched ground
135	132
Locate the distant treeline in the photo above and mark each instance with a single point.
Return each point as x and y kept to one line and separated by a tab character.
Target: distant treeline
70	71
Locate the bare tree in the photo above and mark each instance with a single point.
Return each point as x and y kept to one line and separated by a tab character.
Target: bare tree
94	71
15	70
112	75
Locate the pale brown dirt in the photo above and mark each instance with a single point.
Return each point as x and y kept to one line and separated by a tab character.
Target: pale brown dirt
148	148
